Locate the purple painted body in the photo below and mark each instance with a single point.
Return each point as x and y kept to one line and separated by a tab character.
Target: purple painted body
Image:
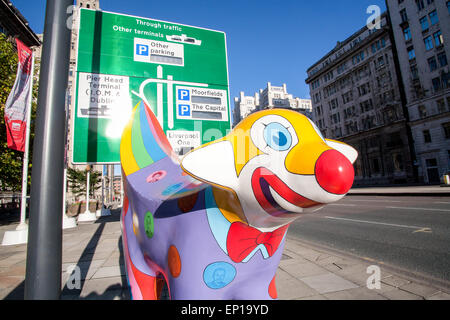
191	234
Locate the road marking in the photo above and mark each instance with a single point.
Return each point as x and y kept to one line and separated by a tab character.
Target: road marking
379	223
393	201
424	230
425	209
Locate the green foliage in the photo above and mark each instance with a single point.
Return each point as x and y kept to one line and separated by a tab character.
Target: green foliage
77	181
11	161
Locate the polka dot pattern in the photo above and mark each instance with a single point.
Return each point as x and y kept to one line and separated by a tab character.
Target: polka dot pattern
186	204
174	262
149	225
273	289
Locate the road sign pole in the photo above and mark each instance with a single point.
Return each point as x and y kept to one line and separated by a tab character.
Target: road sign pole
88	176
44	251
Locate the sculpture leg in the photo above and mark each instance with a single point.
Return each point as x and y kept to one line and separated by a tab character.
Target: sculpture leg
144	277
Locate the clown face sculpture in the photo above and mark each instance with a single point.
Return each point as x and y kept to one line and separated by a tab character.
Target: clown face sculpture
213	224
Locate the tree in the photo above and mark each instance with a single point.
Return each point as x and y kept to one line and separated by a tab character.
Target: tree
11	161
77	181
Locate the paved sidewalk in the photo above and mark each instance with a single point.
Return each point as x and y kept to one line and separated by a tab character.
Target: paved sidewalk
306	272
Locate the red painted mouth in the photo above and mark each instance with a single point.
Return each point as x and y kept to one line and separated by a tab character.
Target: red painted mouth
262	180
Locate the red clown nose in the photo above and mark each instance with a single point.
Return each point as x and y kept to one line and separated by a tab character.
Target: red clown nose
334	172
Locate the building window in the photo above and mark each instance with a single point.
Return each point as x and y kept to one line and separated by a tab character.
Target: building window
422	111
420	4
424	23
364	89
428	43
448	6
358	58
434	17
398	162
432	171
335	118
411	53
349	112
432	63
427	136
375	166
366	105
403	15
446	128
442	58
380	61
333	104
406	33
440	105
436	83
347	97
414	72
438	38
446	79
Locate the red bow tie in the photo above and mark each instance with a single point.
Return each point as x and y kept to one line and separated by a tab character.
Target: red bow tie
243	239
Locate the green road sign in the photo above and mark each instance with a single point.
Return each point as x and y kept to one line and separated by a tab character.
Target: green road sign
180	71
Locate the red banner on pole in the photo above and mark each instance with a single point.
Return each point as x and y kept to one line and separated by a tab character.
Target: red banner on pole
19	100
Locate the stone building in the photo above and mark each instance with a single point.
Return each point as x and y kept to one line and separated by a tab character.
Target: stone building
269	98
421	30
357	99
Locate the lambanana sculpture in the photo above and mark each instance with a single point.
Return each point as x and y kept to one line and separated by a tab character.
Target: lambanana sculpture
213	224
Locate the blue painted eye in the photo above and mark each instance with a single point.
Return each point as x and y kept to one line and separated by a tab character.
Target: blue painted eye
277	137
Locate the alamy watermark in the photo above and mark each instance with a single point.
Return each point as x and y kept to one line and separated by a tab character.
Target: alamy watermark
374	280
374	21
74	280
70	10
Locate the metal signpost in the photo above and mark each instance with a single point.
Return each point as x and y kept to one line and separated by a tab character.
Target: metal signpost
44	251
180	71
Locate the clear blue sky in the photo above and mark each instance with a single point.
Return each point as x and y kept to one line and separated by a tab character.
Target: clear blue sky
268	41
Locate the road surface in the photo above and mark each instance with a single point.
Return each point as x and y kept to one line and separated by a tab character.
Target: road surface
411	233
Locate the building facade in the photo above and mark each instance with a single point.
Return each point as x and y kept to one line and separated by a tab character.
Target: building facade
269	98
421	30
357	99
14	25
244	106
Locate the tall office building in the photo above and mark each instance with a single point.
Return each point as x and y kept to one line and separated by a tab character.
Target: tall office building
421	30
356	98
269	98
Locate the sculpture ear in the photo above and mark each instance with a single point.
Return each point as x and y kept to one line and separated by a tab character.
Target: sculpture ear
343	148
213	164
